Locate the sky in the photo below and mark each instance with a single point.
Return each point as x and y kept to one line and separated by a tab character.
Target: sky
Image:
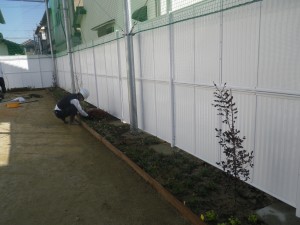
21	19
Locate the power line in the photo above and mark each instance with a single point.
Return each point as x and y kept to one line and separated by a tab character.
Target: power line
16	30
16	7
40	1
18	37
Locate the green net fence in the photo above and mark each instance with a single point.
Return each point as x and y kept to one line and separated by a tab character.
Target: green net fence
163	13
92	22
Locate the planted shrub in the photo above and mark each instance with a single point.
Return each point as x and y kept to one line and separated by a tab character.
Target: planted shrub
252	219
234	221
237	159
210	215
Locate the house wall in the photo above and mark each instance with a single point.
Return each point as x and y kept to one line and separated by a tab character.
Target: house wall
253	48
3	49
101	11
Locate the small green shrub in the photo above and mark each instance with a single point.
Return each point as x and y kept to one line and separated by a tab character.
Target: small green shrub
252	219
234	221
222	224
210	215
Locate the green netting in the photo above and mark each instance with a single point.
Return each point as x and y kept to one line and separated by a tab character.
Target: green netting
89	21
94	22
140	14
168	13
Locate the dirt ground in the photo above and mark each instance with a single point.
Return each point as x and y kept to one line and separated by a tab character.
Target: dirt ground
57	174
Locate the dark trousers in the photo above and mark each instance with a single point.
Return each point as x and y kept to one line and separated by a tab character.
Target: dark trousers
2	85
69	111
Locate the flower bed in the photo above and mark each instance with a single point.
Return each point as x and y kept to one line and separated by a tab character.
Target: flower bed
203	188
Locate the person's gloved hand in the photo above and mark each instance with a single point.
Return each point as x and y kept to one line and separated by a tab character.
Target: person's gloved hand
88	117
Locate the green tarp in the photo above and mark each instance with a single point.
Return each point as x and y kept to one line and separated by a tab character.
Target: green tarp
140	14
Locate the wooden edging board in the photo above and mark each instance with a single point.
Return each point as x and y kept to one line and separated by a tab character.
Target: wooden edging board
183	210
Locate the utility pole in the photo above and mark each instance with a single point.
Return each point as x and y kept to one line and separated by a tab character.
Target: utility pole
130	69
69	46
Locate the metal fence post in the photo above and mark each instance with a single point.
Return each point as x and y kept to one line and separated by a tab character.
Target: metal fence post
120	74
141	88
67	29
171	80
95	73
298	191
130	68
298	195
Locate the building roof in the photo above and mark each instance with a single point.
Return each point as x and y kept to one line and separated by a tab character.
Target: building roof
12	47
43	23
28	43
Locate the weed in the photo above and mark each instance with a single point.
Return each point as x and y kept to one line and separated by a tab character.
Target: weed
252	218
210	216
234	221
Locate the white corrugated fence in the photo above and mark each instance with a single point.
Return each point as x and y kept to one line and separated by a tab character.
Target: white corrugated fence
34	71
254	49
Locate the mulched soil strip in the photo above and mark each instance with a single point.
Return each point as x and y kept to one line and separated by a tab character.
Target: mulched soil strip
182	209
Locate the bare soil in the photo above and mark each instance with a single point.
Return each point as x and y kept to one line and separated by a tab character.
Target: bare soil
199	185
53	173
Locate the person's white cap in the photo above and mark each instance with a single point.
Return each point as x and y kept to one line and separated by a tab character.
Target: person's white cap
84	92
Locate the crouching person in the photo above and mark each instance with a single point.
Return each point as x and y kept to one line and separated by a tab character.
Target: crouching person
2	84
69	106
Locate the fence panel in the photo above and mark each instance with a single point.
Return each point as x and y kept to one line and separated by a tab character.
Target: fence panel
279	46
277	146
184	49
254	48
207	147
207	49
27	71
185	117
148	110
240	46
